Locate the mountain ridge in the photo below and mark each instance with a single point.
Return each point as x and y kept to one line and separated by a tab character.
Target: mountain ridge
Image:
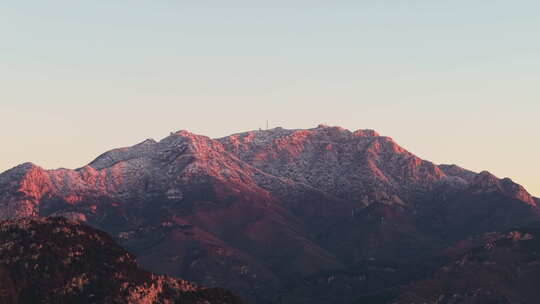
259	212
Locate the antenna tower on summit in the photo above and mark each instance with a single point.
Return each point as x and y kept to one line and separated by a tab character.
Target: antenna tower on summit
267	124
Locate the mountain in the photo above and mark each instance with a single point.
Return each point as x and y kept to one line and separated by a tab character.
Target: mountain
55	260
279	216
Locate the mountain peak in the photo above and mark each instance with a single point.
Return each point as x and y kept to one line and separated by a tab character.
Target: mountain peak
366	133
325	126
23	173
24	167
216	210
184	133
485	182
148	141
356	133
340	131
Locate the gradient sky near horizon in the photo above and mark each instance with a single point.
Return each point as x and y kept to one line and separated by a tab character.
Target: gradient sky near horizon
451	81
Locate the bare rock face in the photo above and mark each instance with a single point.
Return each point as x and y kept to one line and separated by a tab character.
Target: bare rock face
56	260
274	214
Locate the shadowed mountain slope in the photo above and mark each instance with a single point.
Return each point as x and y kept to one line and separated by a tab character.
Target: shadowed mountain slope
494	268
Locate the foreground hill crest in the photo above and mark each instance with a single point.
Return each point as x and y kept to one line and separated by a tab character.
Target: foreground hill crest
55	260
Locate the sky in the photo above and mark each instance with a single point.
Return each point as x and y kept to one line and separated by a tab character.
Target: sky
452	81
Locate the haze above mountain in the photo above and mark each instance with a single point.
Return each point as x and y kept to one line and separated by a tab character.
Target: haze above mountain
298	216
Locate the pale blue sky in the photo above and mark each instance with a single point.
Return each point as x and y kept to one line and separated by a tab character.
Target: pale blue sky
452	81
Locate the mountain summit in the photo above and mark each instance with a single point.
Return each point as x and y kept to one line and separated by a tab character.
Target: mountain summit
299	216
